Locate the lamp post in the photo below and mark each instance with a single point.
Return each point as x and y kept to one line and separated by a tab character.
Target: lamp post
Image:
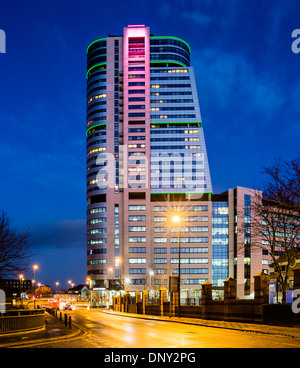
70	283
176	219
118	263
21	279
35	267
56	284
109	285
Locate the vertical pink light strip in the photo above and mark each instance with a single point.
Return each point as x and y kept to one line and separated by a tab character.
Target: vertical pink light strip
136	32
141	60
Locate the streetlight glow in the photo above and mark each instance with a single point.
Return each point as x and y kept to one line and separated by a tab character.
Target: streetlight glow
176	218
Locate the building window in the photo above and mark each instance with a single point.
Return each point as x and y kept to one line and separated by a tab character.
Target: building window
137	228
137	270
137	218
137	208
137	260
160	260
160	250
139	239
160	240
189	250
137	250
189	260
219	242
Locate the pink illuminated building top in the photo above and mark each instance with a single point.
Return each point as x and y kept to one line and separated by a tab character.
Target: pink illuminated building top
136	74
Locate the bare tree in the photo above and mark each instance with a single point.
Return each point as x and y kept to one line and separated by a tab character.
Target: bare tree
284	187
275	218
276	230
14	249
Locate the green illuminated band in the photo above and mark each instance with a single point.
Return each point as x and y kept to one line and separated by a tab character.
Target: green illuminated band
95	66
87	132
100	39
175	38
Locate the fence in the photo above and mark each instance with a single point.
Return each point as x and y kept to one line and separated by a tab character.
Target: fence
255	310
22	320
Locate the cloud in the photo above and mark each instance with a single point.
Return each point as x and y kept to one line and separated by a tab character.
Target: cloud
201	19
59	235
230	82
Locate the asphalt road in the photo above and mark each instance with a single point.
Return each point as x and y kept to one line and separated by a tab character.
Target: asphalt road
102	330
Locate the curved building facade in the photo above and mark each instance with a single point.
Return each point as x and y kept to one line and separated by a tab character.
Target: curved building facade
146	159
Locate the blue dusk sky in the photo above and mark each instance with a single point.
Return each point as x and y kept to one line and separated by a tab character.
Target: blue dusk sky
248	81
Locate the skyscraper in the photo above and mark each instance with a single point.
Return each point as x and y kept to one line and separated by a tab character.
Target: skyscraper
146	160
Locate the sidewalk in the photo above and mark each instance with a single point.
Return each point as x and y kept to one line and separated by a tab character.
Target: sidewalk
54	330
247	327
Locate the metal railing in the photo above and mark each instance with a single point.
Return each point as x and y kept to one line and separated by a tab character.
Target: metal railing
190	301
22	320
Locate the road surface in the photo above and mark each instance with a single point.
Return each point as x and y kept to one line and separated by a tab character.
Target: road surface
106	330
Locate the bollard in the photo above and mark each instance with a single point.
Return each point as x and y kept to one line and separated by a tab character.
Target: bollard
66	320
60	316
70	322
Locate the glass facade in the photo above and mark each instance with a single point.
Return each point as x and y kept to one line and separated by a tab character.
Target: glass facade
219	242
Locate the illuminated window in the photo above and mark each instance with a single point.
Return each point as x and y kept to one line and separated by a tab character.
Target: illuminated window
96	150
137	260
97	96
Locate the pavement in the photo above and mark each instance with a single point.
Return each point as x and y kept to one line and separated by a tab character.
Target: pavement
56	330
246	327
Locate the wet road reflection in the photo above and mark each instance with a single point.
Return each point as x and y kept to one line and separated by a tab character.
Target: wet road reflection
107	330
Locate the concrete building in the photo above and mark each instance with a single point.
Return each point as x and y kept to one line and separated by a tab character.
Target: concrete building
146	161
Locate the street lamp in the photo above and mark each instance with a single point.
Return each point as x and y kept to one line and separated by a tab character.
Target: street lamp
176	219
35	267
56	284
21	278
118	263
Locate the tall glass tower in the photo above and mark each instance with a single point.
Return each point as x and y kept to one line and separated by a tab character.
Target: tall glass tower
146	157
